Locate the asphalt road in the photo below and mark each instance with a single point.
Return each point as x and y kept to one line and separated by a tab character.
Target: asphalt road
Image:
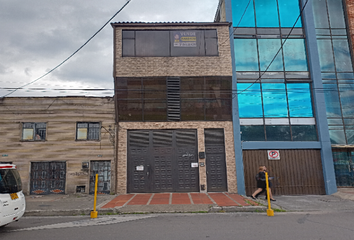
284	226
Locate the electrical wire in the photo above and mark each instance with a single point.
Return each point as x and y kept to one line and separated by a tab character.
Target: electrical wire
128	1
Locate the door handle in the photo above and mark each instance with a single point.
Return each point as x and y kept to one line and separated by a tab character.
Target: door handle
148	170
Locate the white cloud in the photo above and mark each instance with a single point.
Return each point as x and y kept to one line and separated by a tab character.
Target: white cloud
38	35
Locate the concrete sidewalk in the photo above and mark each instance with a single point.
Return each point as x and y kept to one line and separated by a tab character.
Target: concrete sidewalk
82	204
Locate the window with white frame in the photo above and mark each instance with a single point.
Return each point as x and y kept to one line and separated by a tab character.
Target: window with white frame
88	131
34	131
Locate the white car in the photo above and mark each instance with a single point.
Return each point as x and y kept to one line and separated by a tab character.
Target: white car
12	199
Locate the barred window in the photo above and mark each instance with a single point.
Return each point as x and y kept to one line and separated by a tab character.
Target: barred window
88	131
34	131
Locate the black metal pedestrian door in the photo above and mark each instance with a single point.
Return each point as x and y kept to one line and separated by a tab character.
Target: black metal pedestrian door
103	169
47	178
162	161
215	160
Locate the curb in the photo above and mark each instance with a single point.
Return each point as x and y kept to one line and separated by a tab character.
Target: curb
118	211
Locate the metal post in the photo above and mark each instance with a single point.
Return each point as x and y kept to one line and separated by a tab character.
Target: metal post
94	212
270	211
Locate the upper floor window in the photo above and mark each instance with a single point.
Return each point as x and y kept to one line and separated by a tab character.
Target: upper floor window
266	13
258	54
165	43
88	131
34	131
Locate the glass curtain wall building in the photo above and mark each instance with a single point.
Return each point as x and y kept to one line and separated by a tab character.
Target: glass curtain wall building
291	56
338	83
273	80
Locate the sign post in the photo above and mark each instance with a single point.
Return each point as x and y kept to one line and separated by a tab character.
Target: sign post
94	212
270	211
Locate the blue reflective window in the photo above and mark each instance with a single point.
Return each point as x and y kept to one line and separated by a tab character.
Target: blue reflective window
289	10
304	133
246	55
319	10
278	133
267	50
274	100
249	101
336	135
336	16
252	133
267	13
332	100
295	55
299	98
346	92
326	55
342	55
350	136
238	9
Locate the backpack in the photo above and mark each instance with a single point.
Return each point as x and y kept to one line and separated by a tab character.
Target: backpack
257	177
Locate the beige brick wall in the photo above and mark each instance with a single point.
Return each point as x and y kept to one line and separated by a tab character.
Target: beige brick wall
174	66
61	115
199	126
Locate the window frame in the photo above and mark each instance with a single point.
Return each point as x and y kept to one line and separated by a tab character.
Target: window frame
87	131
207	37
37	136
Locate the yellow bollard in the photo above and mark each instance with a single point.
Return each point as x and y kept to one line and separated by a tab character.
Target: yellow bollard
270	211
94	212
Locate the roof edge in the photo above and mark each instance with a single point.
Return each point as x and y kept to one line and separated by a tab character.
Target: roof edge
167	24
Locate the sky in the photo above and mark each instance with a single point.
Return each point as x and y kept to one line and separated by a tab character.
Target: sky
38	35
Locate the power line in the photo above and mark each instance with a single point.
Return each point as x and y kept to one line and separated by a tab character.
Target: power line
128	1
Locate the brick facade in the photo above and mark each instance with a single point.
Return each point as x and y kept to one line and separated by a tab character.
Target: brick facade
199	66
200	126
350	14
173	66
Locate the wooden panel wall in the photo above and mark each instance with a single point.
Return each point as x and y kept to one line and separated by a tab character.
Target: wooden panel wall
297	172
61	115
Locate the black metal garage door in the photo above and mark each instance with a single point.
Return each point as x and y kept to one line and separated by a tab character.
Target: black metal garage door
162	161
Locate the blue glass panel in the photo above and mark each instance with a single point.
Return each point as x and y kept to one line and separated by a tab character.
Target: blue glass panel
320	13
336	16
267	50
349	122
274	100
238	9
299	98
350	136
342	55
326	55
246	55
335	121
345	76
267	13
332	100
337	136
249	101
346	92
289	11
295	55
304	133
252	133
329	76
278	133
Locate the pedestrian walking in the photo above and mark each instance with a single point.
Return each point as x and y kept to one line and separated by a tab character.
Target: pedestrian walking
261	184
